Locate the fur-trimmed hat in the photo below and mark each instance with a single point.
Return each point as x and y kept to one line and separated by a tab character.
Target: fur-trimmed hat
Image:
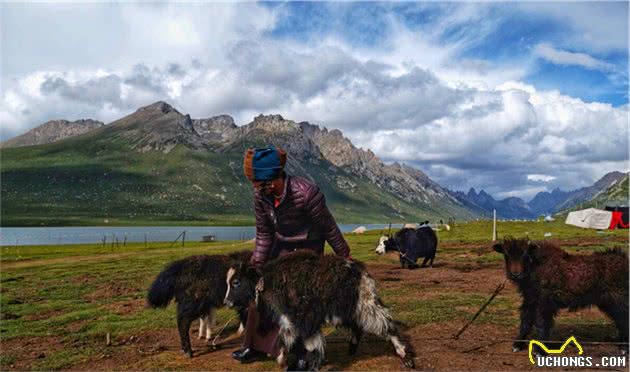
264	164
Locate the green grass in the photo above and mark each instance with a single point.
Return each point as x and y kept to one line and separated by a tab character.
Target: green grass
77	294
482	230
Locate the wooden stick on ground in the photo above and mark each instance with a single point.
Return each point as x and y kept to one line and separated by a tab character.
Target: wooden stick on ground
496	292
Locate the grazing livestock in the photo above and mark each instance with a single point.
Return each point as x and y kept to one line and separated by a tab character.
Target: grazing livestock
550	279
411	244
303	292
198	285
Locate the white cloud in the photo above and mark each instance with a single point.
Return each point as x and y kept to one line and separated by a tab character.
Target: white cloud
466	122
540	177
562	57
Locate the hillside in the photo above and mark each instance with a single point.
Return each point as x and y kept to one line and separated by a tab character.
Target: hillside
616	194
52	131
159	166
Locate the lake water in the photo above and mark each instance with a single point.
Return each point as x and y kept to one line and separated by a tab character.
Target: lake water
84	235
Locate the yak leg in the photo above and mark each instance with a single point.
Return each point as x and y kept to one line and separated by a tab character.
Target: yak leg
528	317
314	345
296	358
544	324
202	326
402	350
210	320
294	345
373	317
431	263
403	262
424	262
357	333
183	325
619	314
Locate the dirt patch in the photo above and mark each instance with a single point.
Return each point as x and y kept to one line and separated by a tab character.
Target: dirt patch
30	351
108	290
126	307
42	315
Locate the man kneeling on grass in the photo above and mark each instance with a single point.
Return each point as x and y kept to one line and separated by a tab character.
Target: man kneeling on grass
291	214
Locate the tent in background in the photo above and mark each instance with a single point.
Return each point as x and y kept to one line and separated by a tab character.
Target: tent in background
590	218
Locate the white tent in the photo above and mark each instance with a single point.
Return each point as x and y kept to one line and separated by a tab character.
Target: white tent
549	219
590	218
359	230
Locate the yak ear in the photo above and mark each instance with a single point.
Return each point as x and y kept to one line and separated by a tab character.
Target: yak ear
498	247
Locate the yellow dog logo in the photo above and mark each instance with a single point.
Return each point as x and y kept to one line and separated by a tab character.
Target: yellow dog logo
553	351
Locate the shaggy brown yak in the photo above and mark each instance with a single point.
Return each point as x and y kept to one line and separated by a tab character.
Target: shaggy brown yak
550	279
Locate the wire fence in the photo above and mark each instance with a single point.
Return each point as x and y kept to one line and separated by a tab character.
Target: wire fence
20	237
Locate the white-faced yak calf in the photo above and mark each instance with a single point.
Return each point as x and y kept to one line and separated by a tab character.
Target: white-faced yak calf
550	279
303	292
197	284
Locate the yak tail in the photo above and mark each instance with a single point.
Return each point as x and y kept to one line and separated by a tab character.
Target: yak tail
162	290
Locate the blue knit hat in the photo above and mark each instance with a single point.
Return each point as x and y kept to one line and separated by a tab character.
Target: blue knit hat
264	164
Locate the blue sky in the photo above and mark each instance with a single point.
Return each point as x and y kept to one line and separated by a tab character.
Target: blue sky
511	36
496	96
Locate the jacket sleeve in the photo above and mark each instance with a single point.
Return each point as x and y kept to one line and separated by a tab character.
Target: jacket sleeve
323	219
264	235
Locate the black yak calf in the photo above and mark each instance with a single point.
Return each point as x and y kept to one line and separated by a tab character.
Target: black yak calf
411	244
550	279
303	292
197	284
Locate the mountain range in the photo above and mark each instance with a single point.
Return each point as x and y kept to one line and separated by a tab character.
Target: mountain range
607	190
159	166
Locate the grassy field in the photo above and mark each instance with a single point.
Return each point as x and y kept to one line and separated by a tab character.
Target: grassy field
59	302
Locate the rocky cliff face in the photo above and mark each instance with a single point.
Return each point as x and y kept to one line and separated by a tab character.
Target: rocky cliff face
407	182
52	131
217	130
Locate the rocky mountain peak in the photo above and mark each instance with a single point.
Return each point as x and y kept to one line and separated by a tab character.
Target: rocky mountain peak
273	124
159	106
218	129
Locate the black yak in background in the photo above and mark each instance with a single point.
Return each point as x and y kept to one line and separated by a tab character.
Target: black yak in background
550	279
411	244
197	284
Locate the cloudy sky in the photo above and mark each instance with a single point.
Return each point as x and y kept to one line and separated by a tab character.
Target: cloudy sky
514	98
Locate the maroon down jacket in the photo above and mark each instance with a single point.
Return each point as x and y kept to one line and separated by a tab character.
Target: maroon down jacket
301	221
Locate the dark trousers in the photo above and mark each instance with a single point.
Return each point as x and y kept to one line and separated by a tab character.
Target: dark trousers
255	339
